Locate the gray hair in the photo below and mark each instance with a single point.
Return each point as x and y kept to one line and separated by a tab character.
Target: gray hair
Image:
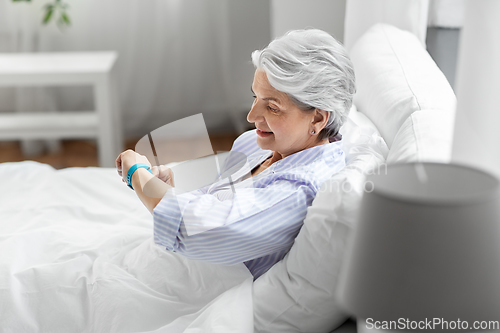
314	70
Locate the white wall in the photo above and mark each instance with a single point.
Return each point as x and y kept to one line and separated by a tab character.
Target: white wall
476	136
249	23
327	15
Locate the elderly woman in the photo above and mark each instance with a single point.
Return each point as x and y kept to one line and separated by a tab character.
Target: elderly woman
303	88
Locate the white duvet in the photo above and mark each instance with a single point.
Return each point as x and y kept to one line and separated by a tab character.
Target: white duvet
76	255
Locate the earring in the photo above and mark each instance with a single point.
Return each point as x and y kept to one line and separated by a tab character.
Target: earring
313	132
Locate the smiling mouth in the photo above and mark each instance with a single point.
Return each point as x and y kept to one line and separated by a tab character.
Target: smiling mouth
263	133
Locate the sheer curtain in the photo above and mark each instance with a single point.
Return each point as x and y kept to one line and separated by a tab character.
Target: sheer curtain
173	57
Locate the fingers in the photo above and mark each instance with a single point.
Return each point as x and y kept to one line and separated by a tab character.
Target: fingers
166	175
171	177
156	171
163	173
118	163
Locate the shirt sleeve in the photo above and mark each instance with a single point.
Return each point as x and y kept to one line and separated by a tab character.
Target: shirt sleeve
247	224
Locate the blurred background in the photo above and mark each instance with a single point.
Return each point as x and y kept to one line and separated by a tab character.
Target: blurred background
176	58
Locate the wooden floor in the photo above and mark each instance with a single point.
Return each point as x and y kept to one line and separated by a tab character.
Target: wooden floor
83	153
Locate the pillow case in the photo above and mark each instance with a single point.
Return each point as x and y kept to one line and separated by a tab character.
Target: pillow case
395	76
298	293
426	135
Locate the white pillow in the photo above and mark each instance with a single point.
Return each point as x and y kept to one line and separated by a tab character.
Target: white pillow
425	135
395	76
298	293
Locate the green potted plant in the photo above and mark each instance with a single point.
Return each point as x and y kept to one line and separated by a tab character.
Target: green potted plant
52	10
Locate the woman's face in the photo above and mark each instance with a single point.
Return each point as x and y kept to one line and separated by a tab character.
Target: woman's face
281	125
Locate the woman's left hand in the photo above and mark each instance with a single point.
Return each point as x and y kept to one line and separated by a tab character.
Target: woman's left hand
127	159
164	174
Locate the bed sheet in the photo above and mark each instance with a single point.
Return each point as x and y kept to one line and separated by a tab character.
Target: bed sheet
77	255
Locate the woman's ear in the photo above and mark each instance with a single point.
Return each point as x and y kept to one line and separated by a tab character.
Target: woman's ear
320	119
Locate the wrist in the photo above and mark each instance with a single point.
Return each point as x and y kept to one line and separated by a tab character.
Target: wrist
140	177
136	169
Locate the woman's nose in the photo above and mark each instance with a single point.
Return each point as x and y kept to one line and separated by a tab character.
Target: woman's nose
254	114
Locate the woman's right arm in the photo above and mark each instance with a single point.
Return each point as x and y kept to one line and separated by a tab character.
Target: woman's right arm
253	224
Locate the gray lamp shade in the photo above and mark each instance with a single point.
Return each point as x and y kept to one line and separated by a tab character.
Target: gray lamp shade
426	245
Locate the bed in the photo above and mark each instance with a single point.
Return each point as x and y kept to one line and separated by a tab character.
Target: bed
76	249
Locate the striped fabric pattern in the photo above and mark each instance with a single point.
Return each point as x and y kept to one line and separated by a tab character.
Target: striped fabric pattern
247	219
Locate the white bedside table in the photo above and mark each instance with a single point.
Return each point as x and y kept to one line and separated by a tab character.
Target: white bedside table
62	69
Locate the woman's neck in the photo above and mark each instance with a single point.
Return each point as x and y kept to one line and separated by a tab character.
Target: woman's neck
278	156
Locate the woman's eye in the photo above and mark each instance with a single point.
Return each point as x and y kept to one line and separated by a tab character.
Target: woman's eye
254	96
273	109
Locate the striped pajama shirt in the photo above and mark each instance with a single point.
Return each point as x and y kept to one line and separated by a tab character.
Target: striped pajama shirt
244	219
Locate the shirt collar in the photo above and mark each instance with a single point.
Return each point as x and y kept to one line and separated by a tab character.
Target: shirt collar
324	152
298	159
